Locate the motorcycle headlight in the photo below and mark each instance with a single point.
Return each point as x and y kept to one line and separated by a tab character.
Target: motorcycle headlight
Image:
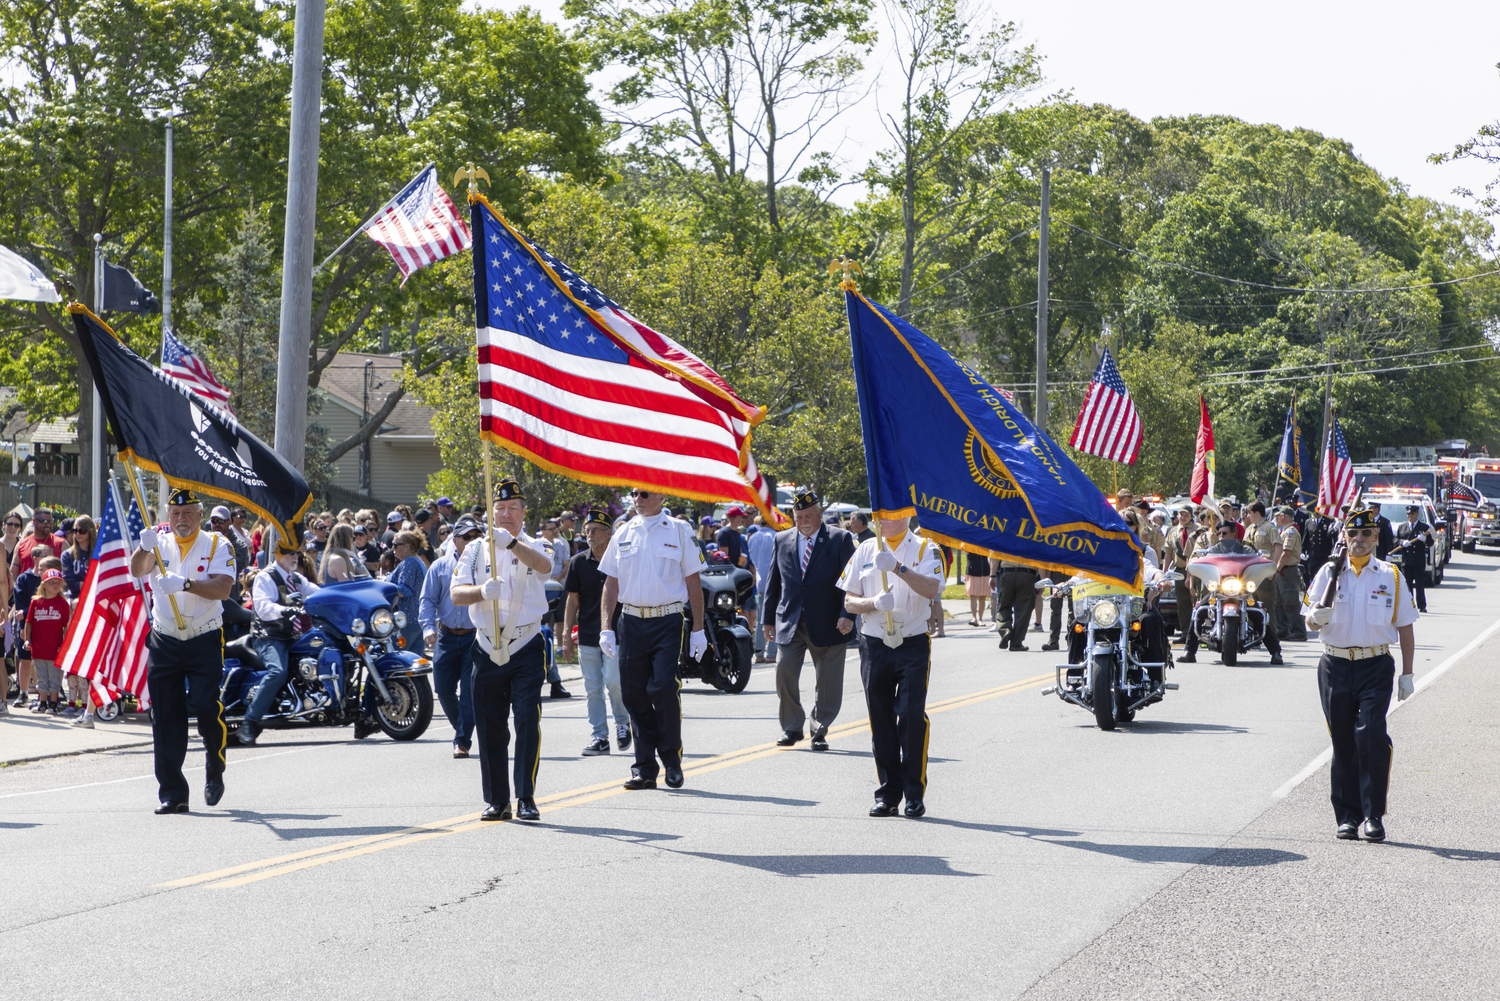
400	620
1250	586
1106	614
724	601
1233	586
357	627
382	622
1213	585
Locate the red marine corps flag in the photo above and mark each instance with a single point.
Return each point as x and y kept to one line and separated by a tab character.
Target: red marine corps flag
1203	458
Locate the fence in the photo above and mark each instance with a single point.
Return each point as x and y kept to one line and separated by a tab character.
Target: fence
70	492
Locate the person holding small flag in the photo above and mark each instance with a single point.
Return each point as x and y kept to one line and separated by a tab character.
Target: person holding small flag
194	573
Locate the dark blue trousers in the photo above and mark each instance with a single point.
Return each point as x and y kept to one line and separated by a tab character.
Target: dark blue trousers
184	677
450	677
651	684
1356	696
896	695
499	691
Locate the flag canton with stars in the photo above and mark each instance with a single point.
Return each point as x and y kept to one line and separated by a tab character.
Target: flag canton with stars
1109	375
524	299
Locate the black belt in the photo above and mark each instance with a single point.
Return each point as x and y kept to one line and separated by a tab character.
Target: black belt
1018	570
456	632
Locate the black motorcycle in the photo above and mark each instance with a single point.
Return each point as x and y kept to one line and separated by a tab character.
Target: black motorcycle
731	649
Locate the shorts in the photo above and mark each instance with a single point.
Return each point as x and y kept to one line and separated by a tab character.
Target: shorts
48	676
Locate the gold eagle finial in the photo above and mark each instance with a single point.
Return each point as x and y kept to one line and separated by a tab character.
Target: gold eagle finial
472	173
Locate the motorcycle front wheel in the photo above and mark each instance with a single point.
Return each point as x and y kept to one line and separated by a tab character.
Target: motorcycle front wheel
406	716
1102	682
1231	645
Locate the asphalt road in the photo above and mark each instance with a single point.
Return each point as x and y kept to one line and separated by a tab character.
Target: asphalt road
1171	858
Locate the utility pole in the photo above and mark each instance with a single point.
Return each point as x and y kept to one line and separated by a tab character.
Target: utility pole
364	446
1327	386
96	424
1039	409
162	492
301	217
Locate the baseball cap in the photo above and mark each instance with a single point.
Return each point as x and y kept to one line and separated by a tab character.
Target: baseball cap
394	518
51	575
465	525
445	502
735	512
66	526
221	512
707	519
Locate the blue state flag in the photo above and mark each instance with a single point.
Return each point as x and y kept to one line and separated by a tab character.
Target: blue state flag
1293	467
942	444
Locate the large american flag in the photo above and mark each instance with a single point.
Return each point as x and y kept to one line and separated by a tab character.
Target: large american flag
573	382
106	639
420	226
1108	425
1337	488
179	361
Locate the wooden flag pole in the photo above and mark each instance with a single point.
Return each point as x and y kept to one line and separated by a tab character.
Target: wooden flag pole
892	638
501	655
135	488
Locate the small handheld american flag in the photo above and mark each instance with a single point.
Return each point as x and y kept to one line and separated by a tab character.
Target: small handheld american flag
420	226
179	361
1337	489
1108	425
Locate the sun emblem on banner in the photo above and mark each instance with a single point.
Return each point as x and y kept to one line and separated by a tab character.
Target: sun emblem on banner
985	468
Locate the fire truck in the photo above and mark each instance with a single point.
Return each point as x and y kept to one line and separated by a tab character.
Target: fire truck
1481	527
1393	502
1428	481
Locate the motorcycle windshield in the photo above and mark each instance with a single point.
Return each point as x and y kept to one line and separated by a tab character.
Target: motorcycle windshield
1098	589
341	604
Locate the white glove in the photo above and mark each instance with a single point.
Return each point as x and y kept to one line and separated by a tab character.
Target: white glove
490	589
885	601
169	583
1320	617
503	539
1405	685
149	539
697	644
607	644
885	560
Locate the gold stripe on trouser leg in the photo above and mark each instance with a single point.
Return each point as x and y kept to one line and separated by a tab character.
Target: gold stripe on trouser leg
223	728
537	762
926	721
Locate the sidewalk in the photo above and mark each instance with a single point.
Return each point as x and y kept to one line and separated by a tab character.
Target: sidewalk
28	736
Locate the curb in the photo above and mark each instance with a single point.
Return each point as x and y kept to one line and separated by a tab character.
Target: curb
67	754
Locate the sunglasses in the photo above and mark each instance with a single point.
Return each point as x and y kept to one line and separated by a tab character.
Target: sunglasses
1360	533
640	493
13	524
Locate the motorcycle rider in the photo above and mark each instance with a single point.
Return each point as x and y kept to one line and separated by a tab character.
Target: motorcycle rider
277	594
1229	544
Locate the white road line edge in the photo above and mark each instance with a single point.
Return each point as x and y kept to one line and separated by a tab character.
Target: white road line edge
1421	684
137	778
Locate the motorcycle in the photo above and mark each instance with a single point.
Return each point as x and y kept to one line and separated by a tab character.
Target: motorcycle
1107	674
1231	621
347	659
731	649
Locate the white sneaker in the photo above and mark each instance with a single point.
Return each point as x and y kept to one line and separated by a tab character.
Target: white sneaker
86	721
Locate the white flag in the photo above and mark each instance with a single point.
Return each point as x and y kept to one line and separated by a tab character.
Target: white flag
19	279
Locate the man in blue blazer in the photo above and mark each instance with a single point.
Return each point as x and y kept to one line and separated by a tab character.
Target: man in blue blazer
804	613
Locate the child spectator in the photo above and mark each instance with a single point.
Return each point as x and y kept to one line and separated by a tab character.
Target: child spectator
47	617
26	584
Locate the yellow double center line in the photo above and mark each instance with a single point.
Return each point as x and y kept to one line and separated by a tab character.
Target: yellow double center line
281	865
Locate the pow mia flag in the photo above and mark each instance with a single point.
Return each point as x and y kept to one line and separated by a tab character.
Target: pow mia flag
166	427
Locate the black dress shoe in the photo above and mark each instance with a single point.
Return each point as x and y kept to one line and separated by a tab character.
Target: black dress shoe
1019	649
559	692
883	809
915	808
501	812
788	738
526	810
1188	658
172	808
1374	829
674	777
636	782
213	791
820	743
1276	660
245	735
1348	832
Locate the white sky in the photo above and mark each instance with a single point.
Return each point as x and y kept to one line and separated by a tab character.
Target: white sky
1399	81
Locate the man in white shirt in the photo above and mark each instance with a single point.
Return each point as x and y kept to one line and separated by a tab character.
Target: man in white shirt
651	570
506	606
1360	607
890	583
185	663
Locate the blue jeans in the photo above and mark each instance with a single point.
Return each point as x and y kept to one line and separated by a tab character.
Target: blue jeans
451	678
601	675
277	655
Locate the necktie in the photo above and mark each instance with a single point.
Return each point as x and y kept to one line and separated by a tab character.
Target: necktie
807	542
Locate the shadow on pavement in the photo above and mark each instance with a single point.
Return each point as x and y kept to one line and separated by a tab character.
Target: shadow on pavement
1450	854
778	800
611	833
1228	858
9	825
267	820
840	865
1167	726
1020	832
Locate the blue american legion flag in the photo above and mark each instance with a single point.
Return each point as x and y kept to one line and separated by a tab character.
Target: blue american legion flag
106	638
1337	488
1108	425
179	361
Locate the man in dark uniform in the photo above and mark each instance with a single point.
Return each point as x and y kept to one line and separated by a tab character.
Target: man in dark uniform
1016	598
1322	533
651	570
805	614
506	603
890	584
1385	539
1229	544
1360	606
185	662
1413	536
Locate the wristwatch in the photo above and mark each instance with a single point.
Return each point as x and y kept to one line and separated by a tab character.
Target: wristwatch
902	568
187	585
513	541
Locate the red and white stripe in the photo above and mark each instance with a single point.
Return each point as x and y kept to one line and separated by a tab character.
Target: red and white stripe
1337	486
420	226
1108	425
106	641
180	362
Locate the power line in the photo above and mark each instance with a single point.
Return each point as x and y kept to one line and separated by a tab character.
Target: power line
1353	361
1349	372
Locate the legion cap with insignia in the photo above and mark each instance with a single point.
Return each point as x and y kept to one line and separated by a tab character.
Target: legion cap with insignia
1362	517
508	489
805	499
183	496
598	517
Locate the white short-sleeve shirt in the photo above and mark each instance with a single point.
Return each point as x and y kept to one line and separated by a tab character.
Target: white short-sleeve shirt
652	558
861	579
473	568
210	555
1369	607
